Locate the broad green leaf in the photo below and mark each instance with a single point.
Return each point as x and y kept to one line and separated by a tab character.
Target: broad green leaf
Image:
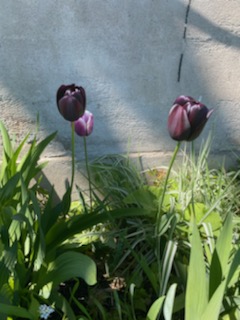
221	254
155	309
66	229
169	254
144	198
213	308
235	266
24	191
16	154
39	244
15	311
196	292
15	228
169	302
10	256
8	191
234	314
51	213
179	302
29	165
200	209
7	294
6	140
69	265
10	157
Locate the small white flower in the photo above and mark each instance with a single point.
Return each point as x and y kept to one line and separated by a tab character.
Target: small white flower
45	311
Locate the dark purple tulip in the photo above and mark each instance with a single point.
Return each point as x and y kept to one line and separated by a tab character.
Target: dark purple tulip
71	101
187	118
84	125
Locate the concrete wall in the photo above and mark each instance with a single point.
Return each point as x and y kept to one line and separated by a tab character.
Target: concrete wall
133	57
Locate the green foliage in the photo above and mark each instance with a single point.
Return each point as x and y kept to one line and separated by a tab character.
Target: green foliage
22	242
38	252
206	302
107	260
189	276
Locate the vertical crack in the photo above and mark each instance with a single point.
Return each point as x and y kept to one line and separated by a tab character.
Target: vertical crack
186	19
184	38
180	67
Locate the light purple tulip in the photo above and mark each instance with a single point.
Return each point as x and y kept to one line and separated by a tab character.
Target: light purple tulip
187	118
84	125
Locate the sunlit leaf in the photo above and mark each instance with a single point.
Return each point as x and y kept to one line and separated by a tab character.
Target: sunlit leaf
65	229
221	254
155	309
69	265
169	302
196	293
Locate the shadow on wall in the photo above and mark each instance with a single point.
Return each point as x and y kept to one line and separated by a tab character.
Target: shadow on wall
210	59
126	56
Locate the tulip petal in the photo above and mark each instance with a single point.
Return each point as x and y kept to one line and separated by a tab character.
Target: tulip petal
80	127
71	101
178	124
69	108
197	113
90	123
198	116
187	118
62	90
84	125
79	94
182	100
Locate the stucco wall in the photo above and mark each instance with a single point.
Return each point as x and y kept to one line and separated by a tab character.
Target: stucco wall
133	57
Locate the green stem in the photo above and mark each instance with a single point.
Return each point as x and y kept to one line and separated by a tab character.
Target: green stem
193	175
159	213
193	160
160	204
73	155
88	171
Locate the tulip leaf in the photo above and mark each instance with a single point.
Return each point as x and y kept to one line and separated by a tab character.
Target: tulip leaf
69	265
155	308
63	230
169	302
221	254
29	165
200	210
15	311
143	197
212	310
6	141
196	298
232	274
9	189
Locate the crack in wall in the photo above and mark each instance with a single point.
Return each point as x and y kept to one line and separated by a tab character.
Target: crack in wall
184	39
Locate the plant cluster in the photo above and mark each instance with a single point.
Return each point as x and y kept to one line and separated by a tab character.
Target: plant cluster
153	244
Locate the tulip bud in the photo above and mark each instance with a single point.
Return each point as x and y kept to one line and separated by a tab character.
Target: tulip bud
187	118
84	125
71	101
